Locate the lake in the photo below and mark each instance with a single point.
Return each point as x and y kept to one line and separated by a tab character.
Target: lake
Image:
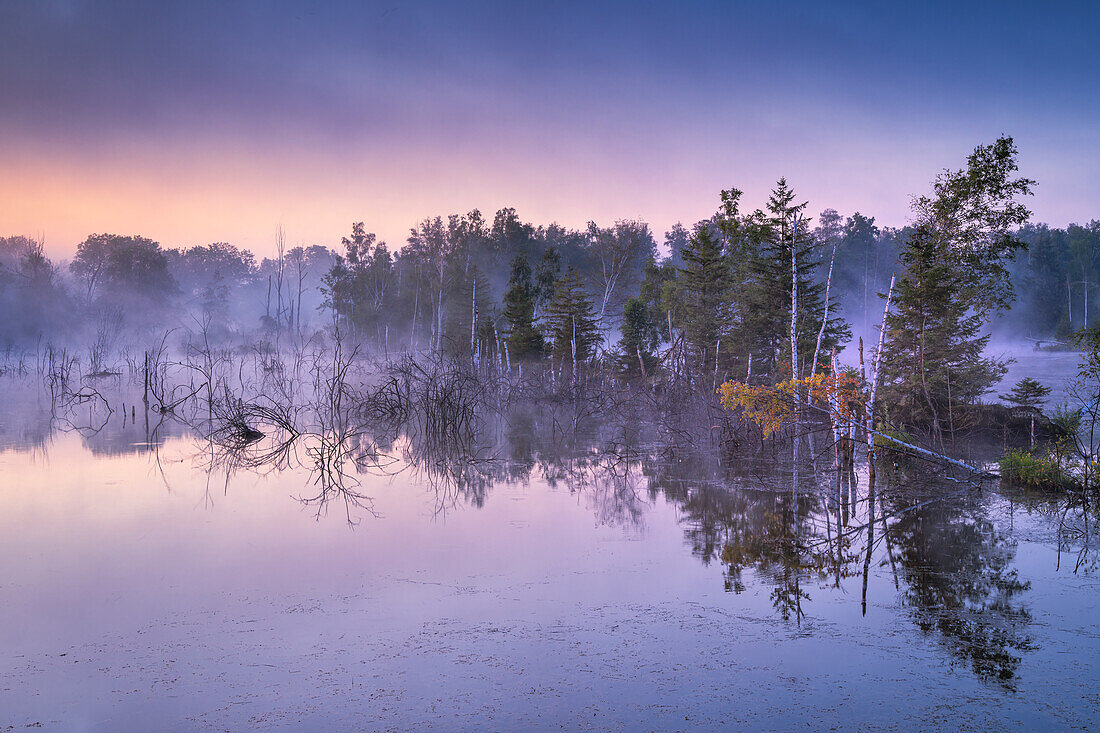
552	574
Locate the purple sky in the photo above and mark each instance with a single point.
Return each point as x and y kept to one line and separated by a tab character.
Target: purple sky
198	122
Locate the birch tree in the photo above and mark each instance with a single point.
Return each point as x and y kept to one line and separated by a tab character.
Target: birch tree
618	255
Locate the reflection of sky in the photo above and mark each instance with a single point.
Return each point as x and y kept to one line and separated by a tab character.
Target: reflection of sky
172	599
212	121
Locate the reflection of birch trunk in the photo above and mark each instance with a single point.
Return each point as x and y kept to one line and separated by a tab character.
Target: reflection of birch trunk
845	496
886	539
797	521
837	555
874	385
870	541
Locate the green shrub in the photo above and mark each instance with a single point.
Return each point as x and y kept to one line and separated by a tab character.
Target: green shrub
1021	468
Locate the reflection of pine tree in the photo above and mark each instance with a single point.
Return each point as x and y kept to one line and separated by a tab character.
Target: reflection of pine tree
571	321
744	529
961	586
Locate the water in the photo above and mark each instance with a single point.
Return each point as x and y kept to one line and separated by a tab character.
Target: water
587	580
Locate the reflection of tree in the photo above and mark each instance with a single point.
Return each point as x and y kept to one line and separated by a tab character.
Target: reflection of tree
28	418
1076	525
1075	518
454	473
608	477
960	585
786	522
766	528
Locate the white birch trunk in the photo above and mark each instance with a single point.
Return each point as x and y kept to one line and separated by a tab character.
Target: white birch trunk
473	323
794	297
874	380
573	347
825	314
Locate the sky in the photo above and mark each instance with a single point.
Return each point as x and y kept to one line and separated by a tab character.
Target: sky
196	122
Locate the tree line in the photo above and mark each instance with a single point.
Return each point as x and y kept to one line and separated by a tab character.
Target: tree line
758	296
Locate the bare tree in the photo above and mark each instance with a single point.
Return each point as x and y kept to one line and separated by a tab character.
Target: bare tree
619	254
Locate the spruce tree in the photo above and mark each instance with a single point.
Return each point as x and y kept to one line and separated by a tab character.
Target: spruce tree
704	290
658	291
933	358
764	329
571	321
954	278
640	335
525	341
546	277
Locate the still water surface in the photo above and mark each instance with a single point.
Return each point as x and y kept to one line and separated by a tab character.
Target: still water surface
585	586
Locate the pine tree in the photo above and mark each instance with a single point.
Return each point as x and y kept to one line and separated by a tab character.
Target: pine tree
954	277
640	335
704	291
571	320
933	359
546	277
525	341
1027	394
764	328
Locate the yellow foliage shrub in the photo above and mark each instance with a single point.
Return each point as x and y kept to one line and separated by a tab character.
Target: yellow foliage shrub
775	406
